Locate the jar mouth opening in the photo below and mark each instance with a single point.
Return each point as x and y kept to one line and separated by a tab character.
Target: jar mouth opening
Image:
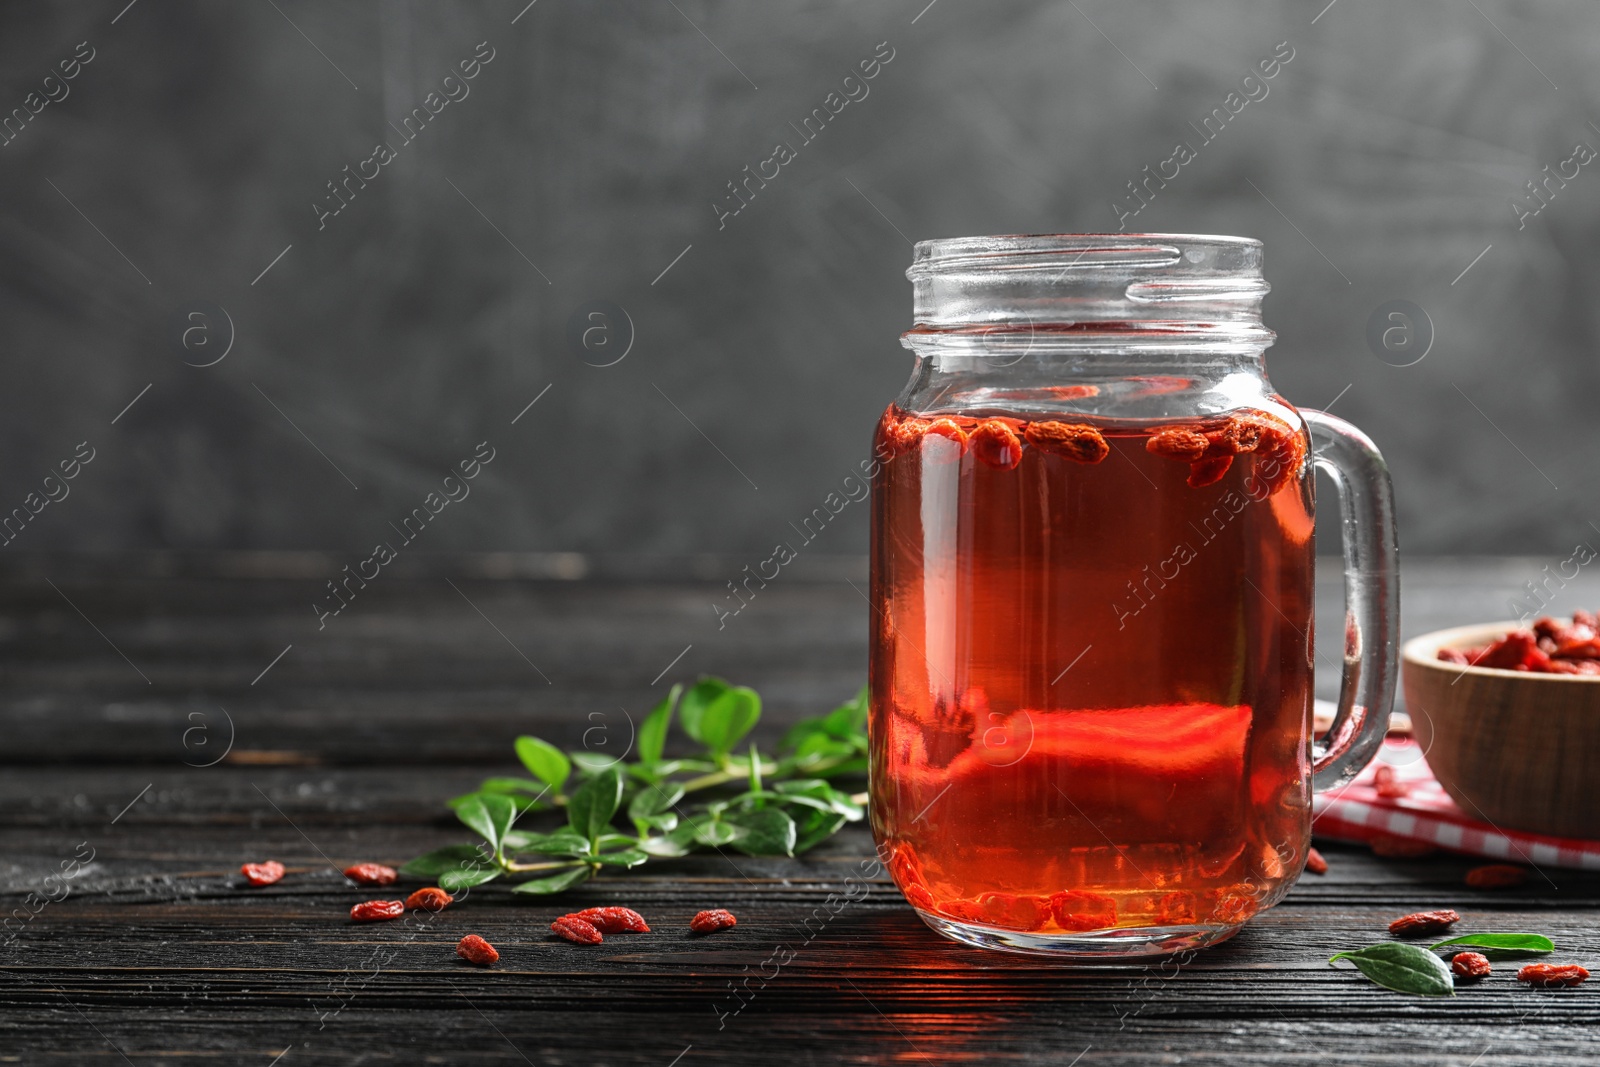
1193	288
1157	252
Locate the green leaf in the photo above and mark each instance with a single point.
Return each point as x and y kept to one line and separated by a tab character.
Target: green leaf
1501	946
562	842
593	762
729	718
555	883
545	761
768	832
628	857
696	701
465	877
513	785
607	842
819	745
665	847
710	830
502	812
653	731
448	858
651	802
591	807
816	828
849	718
1402	967
472	811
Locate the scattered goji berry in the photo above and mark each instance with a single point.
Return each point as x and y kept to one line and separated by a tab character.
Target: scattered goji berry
430	899
715	919
1203	472
1496	876
1387	784
1391	847
950	430
1471	966
1423	923
475	949
1177	443
612	920
1074	909
996	445
371	874
1552	974
372	911
576	930
1315	863
262	873
1548	647
1075	441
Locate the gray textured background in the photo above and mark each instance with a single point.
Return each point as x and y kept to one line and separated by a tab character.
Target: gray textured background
595	142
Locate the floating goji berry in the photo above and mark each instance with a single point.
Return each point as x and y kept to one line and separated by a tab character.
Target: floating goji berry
1496	876
1236	436
1010	910
372	911
262	873
1471	966
1177	443
1387	784
1204	472
1076	441
430	899
948	429
1552	974
706	922
371	874
475	949
996	445
1423	923
1177	908
576	930
1237	902
1315	863
918	896
1391	847
613	920
1074	909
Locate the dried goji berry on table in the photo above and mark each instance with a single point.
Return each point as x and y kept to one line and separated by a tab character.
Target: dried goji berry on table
613	920
372	911
1076	441
996	445
1552	974
430	899
262	873
475	949
1496	876
1423	923
1074	909
1177	442
1471	965
371	874
706	922
576	930
1315	863
1203	472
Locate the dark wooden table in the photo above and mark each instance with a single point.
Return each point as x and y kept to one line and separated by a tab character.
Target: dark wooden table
123	675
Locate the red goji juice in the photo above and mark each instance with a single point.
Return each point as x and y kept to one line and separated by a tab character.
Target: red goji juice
1091	669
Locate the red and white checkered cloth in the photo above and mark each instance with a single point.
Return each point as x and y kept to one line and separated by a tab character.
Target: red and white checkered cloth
1356	812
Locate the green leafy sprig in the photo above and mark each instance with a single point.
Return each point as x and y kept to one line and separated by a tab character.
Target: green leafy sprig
1409	968
761	805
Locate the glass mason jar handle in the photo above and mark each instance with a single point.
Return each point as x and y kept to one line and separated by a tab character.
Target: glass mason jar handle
1371	595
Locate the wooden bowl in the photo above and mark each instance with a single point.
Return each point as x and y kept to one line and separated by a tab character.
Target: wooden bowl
1513	748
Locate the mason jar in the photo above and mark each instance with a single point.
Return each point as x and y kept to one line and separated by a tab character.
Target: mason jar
1093	563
